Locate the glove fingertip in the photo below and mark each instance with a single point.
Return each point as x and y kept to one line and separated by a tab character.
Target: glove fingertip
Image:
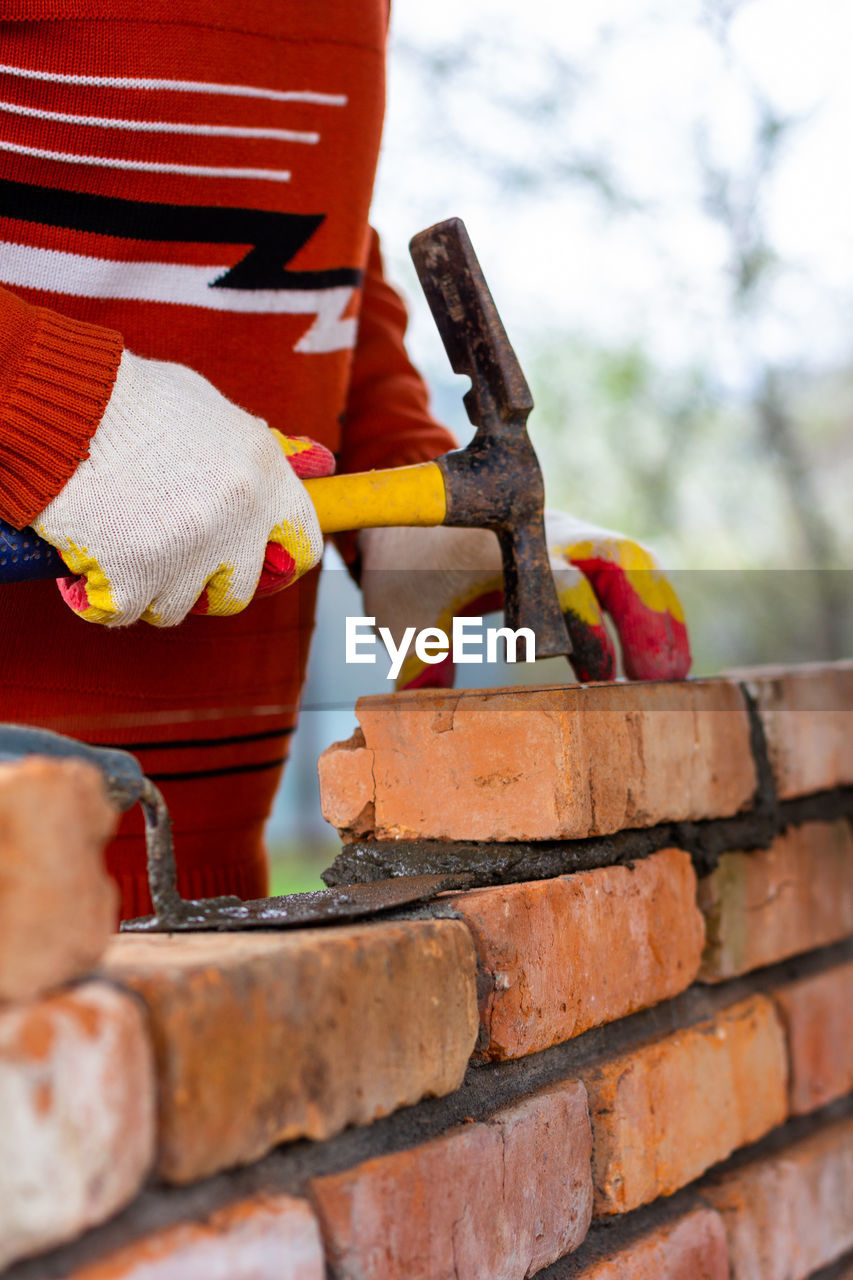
73	592
593	658
308	458
664	654
279	570
202	605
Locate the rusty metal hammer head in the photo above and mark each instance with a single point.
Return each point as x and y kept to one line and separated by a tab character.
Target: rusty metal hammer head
495	482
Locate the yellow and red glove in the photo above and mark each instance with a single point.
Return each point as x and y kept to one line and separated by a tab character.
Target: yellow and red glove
185	503
425	577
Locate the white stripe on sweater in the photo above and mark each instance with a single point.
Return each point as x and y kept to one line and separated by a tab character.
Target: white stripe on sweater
180	86
160	126
51	270
147	166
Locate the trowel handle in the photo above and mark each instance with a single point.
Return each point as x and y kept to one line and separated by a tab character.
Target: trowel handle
122	772
24	555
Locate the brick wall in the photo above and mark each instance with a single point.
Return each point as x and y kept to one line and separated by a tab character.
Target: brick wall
626	1051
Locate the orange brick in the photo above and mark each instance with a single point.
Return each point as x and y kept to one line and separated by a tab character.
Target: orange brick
501	1198
346	771
817	1014
807	713
77	1101
691	1248
541	763
568	954
789	1214
262	1038
58	906
664	1113
762	906
265	1238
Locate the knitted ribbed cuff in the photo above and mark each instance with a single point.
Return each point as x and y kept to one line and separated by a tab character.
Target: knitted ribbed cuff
51	408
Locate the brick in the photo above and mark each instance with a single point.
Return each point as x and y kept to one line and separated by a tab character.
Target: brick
500	1198
262	1038
567	954
265	1238
58	906
691	1248
346	770
817	1014
541	763
767	904
77	1101
807	714
664	1113
789	1214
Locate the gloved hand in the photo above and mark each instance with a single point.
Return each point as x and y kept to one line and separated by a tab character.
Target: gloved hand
177	501
425	577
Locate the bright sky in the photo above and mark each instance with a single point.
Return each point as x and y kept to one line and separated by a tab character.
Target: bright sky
651	77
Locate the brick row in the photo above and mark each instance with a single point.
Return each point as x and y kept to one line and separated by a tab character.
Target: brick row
568	762
540	763
661	1114
506	1198
262	1038
248	1029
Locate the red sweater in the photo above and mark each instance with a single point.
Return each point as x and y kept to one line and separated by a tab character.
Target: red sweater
193	184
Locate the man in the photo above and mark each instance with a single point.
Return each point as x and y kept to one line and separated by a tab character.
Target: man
186	262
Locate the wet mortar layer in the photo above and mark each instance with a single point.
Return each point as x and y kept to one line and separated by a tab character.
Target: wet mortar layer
515	862
487	1088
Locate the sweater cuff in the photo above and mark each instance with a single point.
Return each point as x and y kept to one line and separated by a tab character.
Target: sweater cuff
53	392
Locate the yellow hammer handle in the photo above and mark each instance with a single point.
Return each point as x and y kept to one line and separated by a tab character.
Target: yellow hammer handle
379	499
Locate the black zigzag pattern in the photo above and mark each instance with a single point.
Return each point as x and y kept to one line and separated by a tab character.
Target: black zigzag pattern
276	238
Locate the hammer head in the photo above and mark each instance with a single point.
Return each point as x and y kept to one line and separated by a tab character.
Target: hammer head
495	482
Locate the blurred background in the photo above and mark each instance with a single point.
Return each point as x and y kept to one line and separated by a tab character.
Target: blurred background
660	194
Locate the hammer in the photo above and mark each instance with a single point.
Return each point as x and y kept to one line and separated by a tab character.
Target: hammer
493	483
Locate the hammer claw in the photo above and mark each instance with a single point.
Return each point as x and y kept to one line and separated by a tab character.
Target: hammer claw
468	321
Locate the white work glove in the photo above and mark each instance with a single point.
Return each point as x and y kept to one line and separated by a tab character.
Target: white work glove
425	577
173	509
